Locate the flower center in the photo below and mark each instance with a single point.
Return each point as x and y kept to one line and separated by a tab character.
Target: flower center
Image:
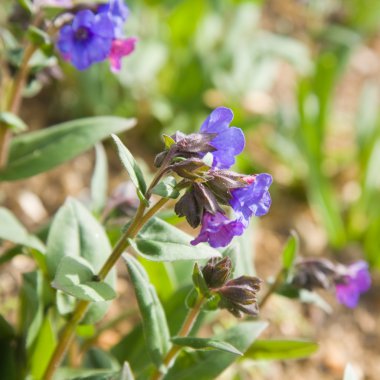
82	33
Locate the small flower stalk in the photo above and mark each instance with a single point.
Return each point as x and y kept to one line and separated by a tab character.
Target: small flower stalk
350	282
214	192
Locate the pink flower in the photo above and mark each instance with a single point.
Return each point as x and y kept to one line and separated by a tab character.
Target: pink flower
120	48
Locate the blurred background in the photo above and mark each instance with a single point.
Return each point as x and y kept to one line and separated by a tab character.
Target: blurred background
303	79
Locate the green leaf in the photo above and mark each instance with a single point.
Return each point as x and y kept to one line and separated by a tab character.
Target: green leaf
159	241
280	349
154	321
13	121
45	345
206	365
37	36
76	233
168	141
99	180
289	252
11	229
35	152
202	343
167	188
27	5
133	169
76	277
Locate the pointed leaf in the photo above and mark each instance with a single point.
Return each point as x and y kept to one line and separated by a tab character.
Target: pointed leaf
99	180
153	317
289	253
133	169
76	277
205	365
280	349
202	343
160	241
76	233
11	229
36	152
13	121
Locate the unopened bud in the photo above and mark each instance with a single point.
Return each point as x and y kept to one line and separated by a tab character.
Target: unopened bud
239	296
216	272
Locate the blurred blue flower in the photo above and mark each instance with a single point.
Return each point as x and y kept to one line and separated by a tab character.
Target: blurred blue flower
229	141
118	11
218	230
87	40
254	199
355	281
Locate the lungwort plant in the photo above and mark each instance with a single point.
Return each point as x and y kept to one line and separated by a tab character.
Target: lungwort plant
181	283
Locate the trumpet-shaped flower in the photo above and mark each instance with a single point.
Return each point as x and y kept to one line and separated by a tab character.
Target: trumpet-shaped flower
218	230
254	199
87	40
228	142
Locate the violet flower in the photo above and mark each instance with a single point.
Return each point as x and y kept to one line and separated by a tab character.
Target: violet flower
87	40
218	230
229	141
355	281
118	11
254	199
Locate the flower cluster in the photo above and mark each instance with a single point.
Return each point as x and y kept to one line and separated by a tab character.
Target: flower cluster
239	295
203	160
96	35
349	281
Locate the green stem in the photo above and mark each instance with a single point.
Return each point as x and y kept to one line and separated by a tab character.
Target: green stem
68	332
14	103
185	330
272	288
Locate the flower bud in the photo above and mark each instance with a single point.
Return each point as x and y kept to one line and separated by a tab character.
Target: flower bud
312	274
216	272
239	296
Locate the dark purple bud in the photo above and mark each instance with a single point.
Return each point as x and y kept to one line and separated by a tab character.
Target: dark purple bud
192	168
189	207
239	296
216	272
195	143
314	274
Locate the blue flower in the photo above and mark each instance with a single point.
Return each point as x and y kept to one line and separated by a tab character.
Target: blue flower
254	199
218	230
87	40
229	141
118	11
355	281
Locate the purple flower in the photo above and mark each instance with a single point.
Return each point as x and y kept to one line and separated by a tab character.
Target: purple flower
118	11
87	40
252	200
218	230
120	48
355	281
229	141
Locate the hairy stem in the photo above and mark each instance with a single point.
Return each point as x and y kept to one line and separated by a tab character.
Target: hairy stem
80	310
184	331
